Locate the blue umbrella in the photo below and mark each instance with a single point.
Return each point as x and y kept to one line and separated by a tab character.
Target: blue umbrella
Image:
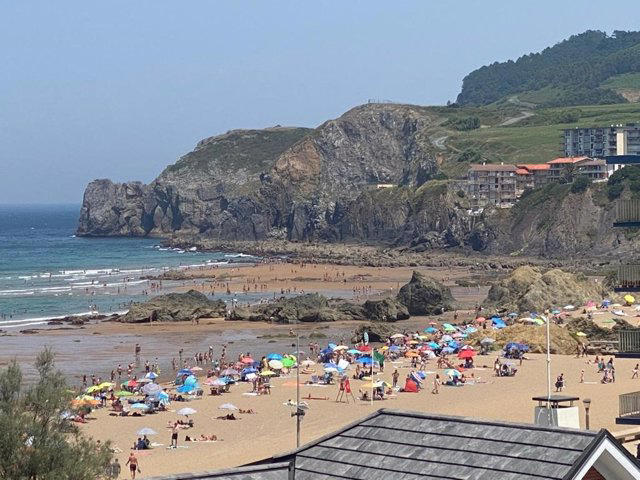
365	360
394	348
274	356
184	371
433	345
431	330
447	350
332	346
140	406
323	352
249	370
353	351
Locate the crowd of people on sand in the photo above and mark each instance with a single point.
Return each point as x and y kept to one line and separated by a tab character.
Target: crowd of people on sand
438	356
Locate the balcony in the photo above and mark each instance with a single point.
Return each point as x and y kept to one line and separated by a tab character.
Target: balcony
629	409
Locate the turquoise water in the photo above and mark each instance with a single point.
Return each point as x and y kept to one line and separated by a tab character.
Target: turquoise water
47	272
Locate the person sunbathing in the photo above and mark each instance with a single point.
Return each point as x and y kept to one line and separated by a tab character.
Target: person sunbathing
249	411
229	416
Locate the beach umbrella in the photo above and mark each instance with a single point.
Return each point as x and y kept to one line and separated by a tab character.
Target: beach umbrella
250	376
448	328
433	345
287	362
397	335
364	348
411	354
84	400
95	388
229	371
247	360
431	330
184	371
481	319
487	341
447	338
629	299
186	411
308	363
123	393
151	389
267	373
353	351
365	360
467	353
277	356
331	370
228	406
220	383
452	372
140	406
471	330
249	370
144	381
448	350
132	383
394	348
196	369
151	375
228	380
276	364
105	385
340	347
331	365
146	431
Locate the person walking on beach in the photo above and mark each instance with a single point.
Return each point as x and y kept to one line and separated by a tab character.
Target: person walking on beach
174	435
115	469
436	384
635	371
133	465
395	377
560	382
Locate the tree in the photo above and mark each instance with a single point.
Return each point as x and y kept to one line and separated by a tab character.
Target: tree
580	184
37	441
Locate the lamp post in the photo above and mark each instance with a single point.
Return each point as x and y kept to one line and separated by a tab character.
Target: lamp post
587	405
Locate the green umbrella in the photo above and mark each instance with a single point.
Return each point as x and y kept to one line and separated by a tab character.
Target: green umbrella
123	393
288	362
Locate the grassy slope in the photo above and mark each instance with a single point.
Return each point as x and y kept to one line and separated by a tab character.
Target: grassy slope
626	80
534	140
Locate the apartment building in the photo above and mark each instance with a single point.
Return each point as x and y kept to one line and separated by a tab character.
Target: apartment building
599	142
492	184
562	169
537	174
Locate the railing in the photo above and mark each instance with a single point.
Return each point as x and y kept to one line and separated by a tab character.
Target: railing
629	341
628	211
629	403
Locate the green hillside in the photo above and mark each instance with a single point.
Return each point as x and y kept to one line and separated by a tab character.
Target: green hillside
572	72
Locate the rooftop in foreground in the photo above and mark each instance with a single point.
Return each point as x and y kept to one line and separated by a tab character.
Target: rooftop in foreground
406	445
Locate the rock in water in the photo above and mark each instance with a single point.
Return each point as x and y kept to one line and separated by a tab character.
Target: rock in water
530	289
175	307
425	296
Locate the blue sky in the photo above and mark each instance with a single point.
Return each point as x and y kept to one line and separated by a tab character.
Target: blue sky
121	89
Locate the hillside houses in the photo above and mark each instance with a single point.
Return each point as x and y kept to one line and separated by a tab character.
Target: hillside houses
502	184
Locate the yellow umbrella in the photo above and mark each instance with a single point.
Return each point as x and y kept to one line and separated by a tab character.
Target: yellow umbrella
95	388
267	373
384	348
104	385
629	299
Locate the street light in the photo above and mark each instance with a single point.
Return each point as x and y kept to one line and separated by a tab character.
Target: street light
587	404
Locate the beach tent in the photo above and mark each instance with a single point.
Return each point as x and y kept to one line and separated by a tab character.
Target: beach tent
498	323
163	397
410	386
431	330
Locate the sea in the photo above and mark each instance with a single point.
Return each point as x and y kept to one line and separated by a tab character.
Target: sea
46	272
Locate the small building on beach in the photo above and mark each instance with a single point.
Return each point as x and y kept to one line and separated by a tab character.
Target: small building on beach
410	446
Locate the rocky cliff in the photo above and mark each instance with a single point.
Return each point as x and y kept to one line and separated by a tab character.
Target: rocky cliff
289	183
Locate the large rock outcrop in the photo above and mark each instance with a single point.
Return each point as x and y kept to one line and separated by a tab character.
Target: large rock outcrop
531	289
425	296
175	307
294	183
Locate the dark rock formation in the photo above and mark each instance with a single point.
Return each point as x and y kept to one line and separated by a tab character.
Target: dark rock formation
385	310
175	307
377	332
425	296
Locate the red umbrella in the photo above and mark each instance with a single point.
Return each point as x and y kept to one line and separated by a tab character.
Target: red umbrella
247	360
132	383
481	319
364	348
467	353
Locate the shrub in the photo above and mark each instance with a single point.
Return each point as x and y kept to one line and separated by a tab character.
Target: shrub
580	184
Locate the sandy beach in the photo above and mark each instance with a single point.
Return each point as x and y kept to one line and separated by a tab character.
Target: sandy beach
98	347
271	430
